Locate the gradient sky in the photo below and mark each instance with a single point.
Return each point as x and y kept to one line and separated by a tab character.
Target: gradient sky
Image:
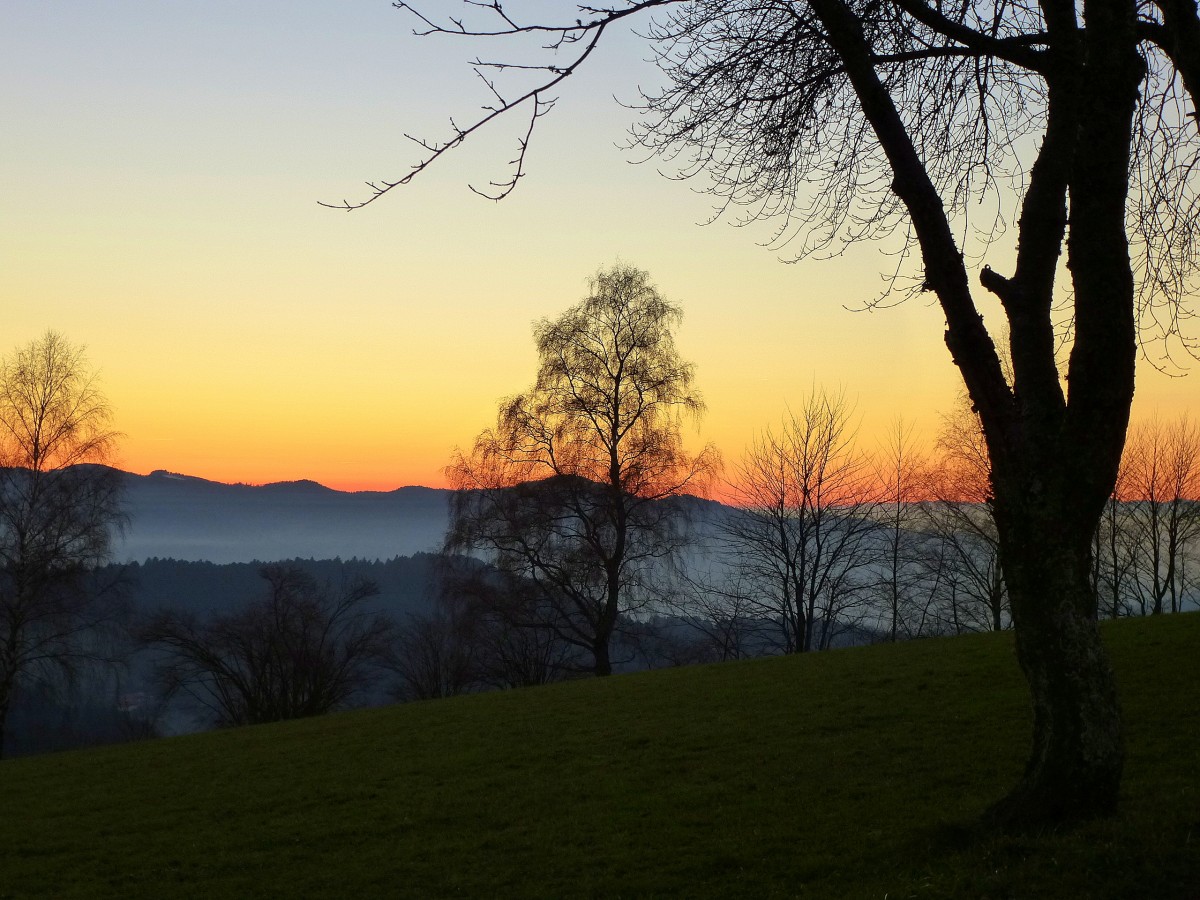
162	166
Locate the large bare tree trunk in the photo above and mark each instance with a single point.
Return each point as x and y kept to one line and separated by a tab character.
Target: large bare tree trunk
5	703
1055	466
603	663
606	623
1054	459
1074	767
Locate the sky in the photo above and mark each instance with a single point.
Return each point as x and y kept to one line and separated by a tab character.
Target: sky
163	164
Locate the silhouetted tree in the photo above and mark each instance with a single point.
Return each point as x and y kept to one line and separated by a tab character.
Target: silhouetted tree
568	492
853	119
1161	512
723	610
1114	551
504	619
959	513
433	656
905	587
803	537
58	509
304	649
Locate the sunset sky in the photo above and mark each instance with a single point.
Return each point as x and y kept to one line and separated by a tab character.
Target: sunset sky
163	164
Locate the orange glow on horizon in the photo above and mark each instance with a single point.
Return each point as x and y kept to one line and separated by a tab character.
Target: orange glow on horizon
281	451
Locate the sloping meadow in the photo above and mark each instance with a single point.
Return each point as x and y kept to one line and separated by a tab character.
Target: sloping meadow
852	773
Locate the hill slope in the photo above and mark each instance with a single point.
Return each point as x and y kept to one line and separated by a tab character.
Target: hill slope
846	774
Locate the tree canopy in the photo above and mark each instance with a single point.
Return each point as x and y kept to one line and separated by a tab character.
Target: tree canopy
570	490
59	507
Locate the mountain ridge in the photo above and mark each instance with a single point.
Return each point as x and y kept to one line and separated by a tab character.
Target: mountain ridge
299	483
178	516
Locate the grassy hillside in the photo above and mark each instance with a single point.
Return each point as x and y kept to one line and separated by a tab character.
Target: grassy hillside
854	773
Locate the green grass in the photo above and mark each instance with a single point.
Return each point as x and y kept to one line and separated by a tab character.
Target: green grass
855	773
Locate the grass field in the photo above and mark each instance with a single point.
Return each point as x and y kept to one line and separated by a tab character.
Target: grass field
854	773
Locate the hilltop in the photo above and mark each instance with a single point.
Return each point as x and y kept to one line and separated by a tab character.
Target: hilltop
852	773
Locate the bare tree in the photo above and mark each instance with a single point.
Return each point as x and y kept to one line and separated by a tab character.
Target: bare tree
481	633
723	611
906	584
433	657
1161	490
959	513
570	491
803	533
853	119
965	561
1114	551
504	619
304	649
58	509
513	646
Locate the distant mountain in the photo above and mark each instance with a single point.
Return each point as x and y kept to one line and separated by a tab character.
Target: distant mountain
182	517
173	516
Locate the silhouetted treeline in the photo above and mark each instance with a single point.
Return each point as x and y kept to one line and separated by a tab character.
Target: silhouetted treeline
405	582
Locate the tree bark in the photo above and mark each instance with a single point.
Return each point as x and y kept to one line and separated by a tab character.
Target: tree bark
603	662
5	701
1075	764
8	680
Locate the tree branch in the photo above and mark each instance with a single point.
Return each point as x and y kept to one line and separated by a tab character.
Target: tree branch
591	31
968	340
1179	38
1018	51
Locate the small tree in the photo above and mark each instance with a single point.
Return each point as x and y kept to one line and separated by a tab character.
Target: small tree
503	619
959	514
58	509
904	587
304	649
432	656
723	612
571	488
1161	490
803	534
1114	551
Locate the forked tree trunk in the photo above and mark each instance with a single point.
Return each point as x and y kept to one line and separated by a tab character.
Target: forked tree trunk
1046	506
